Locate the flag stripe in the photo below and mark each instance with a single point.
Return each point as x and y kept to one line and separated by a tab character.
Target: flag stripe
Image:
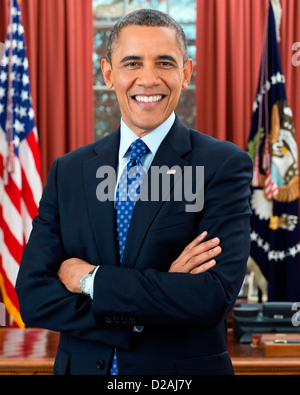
27	222
10	267
12	191
29	163
34	148
28	197
12	244
11	215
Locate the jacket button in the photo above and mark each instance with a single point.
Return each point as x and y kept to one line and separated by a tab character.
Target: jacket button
100	364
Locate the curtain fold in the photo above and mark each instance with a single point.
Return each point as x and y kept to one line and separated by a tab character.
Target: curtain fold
59	36
230	36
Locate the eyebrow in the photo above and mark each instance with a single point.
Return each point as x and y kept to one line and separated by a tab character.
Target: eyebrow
160	57
167	57
130	58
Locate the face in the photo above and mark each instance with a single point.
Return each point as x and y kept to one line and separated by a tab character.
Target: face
148	74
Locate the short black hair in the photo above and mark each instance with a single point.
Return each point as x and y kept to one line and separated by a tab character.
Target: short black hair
151	18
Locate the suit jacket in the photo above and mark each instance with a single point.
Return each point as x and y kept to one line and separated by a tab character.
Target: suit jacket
184	315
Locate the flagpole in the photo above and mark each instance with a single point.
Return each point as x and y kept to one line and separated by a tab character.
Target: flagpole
263	78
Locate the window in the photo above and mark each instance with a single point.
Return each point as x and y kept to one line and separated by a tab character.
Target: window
106	14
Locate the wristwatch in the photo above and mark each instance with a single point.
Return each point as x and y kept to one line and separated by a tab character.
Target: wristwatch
86	283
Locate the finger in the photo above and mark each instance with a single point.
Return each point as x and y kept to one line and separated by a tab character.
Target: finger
201	249
201	258
198	254
206	246
204	268
195	254
187	252
196	241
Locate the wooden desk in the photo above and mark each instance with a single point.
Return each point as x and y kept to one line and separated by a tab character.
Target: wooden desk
27	352
32	352
251	361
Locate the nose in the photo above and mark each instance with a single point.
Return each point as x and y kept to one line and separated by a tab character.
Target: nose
148	76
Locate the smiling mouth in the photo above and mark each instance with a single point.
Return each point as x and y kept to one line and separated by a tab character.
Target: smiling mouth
148	99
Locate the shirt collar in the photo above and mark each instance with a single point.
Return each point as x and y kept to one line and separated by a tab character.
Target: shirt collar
152	139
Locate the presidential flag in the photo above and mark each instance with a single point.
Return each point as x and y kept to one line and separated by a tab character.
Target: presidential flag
20	175
275	246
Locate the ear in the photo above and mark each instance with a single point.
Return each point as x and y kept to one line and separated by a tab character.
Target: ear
106	69
187	73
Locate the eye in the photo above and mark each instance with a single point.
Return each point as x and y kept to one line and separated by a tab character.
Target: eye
132	65
165	64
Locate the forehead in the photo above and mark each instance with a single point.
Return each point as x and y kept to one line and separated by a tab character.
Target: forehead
147	41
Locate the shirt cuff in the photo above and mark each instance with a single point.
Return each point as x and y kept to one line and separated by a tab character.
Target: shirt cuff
93	279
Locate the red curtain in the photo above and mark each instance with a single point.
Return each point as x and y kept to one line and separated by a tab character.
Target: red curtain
59	37
230	36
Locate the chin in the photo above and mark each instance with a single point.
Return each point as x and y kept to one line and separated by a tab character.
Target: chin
147	129
148	126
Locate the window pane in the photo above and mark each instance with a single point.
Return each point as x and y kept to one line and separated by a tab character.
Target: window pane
107	113
160	5
108	10
186	109
183	10
190	32
101	36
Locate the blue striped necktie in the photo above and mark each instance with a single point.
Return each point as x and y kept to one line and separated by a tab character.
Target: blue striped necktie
127	193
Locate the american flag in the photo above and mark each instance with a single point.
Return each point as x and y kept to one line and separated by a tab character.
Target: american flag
20	174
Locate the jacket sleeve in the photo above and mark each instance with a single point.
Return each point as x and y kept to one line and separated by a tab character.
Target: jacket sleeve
152	297
43	299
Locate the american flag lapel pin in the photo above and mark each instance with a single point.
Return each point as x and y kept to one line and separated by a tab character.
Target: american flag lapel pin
171	172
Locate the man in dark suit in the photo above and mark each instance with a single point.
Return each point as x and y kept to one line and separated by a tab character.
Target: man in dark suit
152	297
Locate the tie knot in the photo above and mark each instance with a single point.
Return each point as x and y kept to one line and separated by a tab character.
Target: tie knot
138	149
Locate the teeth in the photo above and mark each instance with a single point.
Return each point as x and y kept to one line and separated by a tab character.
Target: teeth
148	99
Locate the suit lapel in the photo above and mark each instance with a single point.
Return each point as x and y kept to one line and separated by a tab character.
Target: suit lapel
170	154
102	214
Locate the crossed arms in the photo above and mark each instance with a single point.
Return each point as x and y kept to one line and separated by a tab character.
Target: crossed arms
197	257
199	288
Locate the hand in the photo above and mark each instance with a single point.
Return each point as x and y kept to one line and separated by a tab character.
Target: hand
72	271
197	257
